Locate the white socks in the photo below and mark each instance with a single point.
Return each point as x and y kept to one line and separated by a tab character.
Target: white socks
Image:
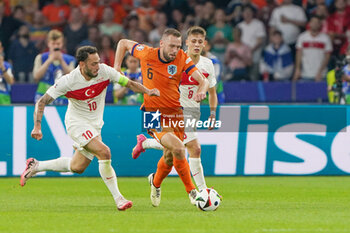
197	172
152	144
61	164
109	177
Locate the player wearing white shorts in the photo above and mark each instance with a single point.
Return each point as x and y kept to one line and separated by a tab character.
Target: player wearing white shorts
85	87
195	42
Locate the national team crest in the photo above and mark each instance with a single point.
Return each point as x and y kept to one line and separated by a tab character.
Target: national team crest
172	69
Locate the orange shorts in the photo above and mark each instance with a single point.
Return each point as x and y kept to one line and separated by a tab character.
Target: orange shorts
170	124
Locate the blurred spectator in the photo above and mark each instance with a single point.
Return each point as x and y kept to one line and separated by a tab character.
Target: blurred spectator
19	13
321	11
177	20
277	61
264	14
119	11
107	51
140	36
218	67
89	11
161	24
146	14
234	10
50	66
238	58
123	95
131	25
6	79
75	31
219	34
288	19
108	26
57	14
93	37
8	25
22	53
253	35
38	31
338	22
313	52
346	78
30	7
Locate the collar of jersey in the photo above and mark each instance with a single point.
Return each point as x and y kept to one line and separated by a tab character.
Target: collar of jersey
160	59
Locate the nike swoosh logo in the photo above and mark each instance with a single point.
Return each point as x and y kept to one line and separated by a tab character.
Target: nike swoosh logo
108	178
149	64
196	174
190	88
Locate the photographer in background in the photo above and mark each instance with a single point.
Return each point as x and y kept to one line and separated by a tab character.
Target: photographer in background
6	79
50	66
338	81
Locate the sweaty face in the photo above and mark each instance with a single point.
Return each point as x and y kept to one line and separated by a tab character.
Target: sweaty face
91	65
170	46
195	44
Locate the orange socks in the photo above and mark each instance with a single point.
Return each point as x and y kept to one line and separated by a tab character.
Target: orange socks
163	171
183	169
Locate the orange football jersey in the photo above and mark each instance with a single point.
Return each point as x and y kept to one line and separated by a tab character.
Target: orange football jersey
165	76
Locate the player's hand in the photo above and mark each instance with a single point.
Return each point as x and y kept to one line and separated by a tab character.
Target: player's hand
36	134
211	119
153	92
199	96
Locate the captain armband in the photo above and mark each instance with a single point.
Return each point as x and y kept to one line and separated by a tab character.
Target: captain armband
123	81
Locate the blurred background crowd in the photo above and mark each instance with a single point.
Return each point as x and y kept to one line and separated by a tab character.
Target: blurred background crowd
248	40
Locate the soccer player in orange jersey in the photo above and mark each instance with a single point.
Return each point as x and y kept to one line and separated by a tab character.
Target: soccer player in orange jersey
162	68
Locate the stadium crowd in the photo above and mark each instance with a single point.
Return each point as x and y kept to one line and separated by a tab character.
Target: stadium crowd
248	39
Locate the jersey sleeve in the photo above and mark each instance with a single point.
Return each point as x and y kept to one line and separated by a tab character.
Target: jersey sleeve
211	77
115	76
60	88
189	67
140	51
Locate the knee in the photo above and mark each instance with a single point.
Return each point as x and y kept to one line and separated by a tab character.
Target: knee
168	160
196	152
76	169
179	152
105	154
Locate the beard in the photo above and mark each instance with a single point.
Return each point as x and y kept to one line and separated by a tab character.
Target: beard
167	58
89	73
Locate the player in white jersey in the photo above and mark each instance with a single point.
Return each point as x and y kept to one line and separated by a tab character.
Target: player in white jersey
85	87
195	42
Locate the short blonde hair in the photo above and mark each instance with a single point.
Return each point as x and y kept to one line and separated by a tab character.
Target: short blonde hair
54	35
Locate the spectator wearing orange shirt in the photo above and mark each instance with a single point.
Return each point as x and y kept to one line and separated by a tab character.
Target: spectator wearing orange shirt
146	14
57	14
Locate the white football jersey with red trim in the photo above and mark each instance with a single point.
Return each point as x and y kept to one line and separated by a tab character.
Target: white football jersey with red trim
189	86
86	99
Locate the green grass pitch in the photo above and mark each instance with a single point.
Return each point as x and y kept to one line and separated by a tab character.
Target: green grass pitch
250	204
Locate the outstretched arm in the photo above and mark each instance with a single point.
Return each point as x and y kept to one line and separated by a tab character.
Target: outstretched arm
124	45
38	115
202	87
139	88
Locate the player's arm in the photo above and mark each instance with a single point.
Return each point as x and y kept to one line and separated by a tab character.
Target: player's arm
202	87
139	88
213	103
38	115
124	45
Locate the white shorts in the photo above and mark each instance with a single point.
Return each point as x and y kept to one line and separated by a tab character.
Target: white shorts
82	135
190	133
189	136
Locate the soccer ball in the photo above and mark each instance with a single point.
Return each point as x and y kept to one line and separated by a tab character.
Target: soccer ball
208	199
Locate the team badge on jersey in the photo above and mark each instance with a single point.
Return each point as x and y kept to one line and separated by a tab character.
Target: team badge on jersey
172	69
140	47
